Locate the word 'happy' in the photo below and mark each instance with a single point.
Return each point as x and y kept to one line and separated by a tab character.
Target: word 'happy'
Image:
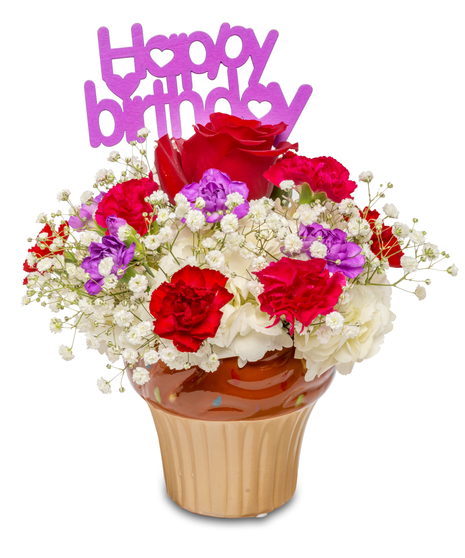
128	115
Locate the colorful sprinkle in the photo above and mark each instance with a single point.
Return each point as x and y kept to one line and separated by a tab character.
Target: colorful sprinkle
299	399
217	401
173	397
157	394
148	367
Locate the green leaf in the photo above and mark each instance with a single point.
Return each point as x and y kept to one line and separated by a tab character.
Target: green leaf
306	194
130	273
149	271
100	230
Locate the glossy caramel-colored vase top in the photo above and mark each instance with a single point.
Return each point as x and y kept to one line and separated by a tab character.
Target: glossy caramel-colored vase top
271	387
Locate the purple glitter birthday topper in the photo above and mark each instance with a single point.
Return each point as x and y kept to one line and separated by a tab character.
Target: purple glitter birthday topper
128	115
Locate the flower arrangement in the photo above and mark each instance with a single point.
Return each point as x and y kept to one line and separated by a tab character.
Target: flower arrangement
227	247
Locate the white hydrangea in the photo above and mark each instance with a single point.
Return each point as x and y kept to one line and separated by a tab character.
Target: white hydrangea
400	230
417	237
293	243
409	264
215	259
323	334
140	376
65	352
431	251
138	284
255	287
103	385
391	210
318	249
229	223
420	291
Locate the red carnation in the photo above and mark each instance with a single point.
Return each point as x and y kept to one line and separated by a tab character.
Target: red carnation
127	201
322	174
301	290
188	309
42	248
384	242
243	149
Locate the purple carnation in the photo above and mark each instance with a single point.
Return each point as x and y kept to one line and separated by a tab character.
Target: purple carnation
348	254
213	188
86	215
110	246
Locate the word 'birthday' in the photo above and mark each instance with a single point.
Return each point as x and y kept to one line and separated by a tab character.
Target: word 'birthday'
128	115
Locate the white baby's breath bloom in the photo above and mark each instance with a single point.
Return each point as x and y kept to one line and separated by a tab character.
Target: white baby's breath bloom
318	249
417	237
408	264
87	196
87	237
143	132
140	376
229	223
145	328
420	291
44	264
287	185
113	156
351	331
105	266
101	175
215	259
431	251
195	220
163	215
257	211
92	341
110	282
57	244
134	337
293	243
258	264
130	356
347	207
71	269
123	318
211	363
248	250
199	203
208	243
366	176
63	195
335	321
391	210
255	287
157	198
103	385
65	352
168	355
151	356
400	230
56	325
274	222
359	227
234	241
166	234
234	199
138	284
306	214
180	199
25	300
152	242
453	270
41	218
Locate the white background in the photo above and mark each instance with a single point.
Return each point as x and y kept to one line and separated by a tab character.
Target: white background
382	466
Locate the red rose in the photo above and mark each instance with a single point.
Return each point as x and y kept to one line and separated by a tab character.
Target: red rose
384	242
240	148
127	201
301	290
42	248
188	309
322	174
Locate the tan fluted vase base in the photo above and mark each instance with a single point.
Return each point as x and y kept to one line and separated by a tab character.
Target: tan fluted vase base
230	468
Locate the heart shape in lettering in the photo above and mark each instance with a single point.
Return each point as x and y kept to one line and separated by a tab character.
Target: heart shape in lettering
161	57
259	109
